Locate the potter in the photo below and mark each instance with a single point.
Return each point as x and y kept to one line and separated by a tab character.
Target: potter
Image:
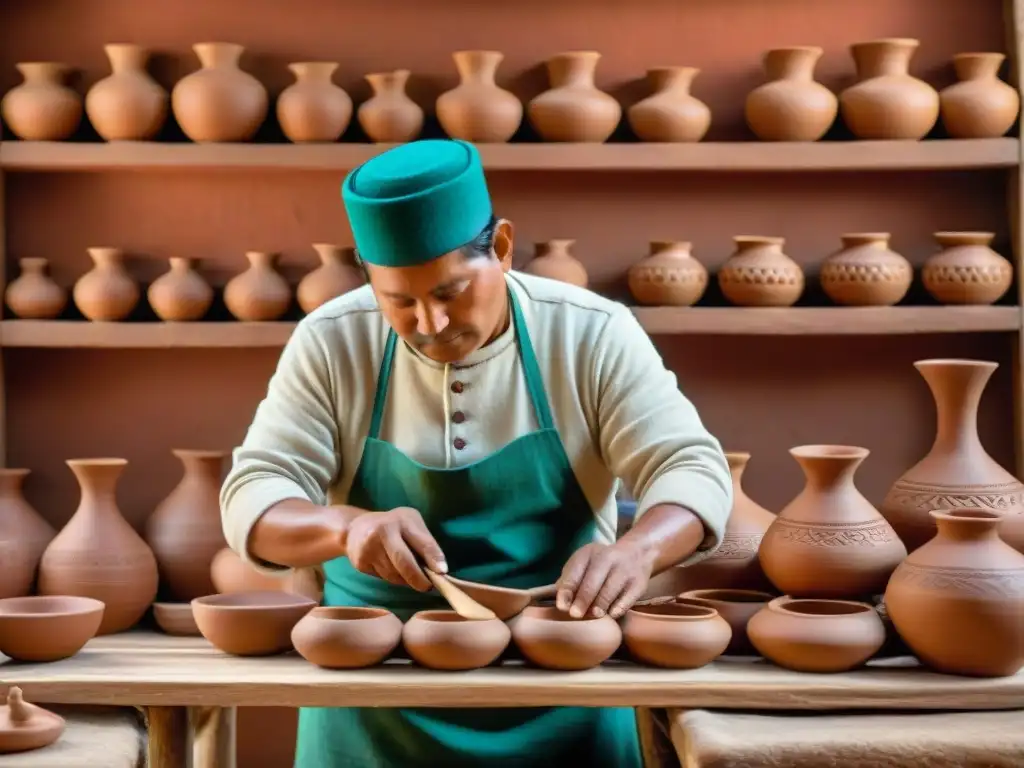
459	414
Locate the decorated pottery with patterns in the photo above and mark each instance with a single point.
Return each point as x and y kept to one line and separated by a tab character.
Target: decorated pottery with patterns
669	276
230	573
24	535
444	640
34	295
346	638
98	554
791	106
128	104
390	116
574	109
42	108
759	274
966	270
260	293
313	108
866	272
553	259
736	606
337	274
24	726
175	619
47	628
219	102
958	601
957	473
671	113
106	293
829	542
675	635
250	623
180	294
477	109
980	106
552	639
888	102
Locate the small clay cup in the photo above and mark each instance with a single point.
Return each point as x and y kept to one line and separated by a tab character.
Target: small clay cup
337	637
445	640
47	627
553	639
175	619
675	635
250	623
736	606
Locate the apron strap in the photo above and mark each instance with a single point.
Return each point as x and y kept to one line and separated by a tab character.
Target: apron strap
383	378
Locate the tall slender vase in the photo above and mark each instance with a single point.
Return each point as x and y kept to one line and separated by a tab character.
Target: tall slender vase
24	535
478	109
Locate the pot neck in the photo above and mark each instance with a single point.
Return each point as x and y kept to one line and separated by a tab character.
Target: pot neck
678	80
98	479
573	69
180	264
260	259
555	249
978	66
12	481
680	248
106	258
388	82
749	243
218	55
43	72
737	466
126	57
880	239
33	265
202	465
968	526
882	58
829	468
319	72
957	239
956	387
480	67
795	64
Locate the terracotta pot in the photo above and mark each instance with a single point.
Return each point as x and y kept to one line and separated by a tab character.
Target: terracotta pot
259	294
829	542
24	536
445	640
337	274
866	272
671	113
229	573
180	294
347	638
759	274
958	601
980	105
34	295
669	276
250	623
675	635
176	619
24	726
791	106
736	607
552	639
98	554
888	102
42	108
574	110
219	102
553	259
477	109
106	293
957	473
128	104
313	108
390	116
966	270
41	629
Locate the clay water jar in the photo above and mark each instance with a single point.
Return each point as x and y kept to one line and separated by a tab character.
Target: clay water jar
736	606
34	295
966	270
337	637
791	106
478	110
980	105
390	116
128	104
574	109
554	260
219	102
180	294
25	727
175	619
337	274
552	639
250	623
669	276
866	272
42	108
24	536
759	274
260	293
47	628
671	113
444	640
675	635
313	108
106	293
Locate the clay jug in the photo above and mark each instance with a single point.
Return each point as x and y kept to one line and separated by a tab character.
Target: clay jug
127	105
888	102
958	601
259	293
219	102
554	260
966	270
759	274
98	554
23	536
185	530
671	113
42	108
337	274
830	542
669	276
390	116
180	294
477	109
980	105
957	472
866	272
25	727
107	292
574	110
230	573
791	106
313	108
33	295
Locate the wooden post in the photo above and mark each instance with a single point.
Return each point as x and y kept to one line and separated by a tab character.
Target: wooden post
167	743
213	737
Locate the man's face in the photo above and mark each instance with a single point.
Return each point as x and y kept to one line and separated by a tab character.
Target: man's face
451	306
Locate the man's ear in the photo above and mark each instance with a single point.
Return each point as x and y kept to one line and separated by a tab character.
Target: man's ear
503	243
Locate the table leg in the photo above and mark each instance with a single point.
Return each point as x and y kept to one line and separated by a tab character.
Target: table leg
213	737
167	742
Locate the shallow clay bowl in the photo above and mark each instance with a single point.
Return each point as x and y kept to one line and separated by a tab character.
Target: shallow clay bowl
445	640
346	637
175	619
505	602
47	628
552	639
675	635
250	623
736	606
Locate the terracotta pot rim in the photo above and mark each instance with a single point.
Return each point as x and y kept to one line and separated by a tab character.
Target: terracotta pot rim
552	614
336	614
728	595
829	451
762	239
979	54
674	610
173	607
85	606
263	600
956	362
446	616
797	49
98	462
966	515
388	73
871	235
963	233
785	604
908	42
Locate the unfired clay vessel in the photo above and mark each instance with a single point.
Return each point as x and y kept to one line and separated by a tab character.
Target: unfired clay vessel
219	102
980	105
98	554
445	640
24	726
313	108
675	635
337	274
346	638
759	274
390	116
34	295
24	535
866	272
552	639
260	293
671	113
45	628
966	270
106	293
230	573
791	106
180	294
574	109
829	542
42	108
250	623
669	276
553	259
736	606
128	104
477	109
958	601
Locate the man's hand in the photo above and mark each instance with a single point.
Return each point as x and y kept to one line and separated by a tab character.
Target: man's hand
602	579
391	545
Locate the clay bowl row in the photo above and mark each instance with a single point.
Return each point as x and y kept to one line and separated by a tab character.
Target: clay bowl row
47	627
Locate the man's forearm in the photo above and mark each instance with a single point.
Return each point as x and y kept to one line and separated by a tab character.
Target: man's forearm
297	533
665	536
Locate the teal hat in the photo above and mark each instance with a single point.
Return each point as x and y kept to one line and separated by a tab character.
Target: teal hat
417	202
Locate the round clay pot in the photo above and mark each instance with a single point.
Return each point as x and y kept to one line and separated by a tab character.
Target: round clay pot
180	294
175	619
25	727
313	108
736	606
980	105
219	102
128	104
477	109
47	628
866	272
675	635
554	260
337	637
259	294
230	573
669	276
671	113
966	270
759	274
42	108
337	274
552	639
816	635
106	293
791	106
958	601
34	295
390	116
24	536
250	623
445	640
574	109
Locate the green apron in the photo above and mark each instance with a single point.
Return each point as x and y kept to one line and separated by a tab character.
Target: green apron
511	519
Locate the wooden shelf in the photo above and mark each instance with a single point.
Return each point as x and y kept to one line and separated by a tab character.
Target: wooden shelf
720	157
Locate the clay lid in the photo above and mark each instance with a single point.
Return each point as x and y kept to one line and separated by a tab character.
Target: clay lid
25	726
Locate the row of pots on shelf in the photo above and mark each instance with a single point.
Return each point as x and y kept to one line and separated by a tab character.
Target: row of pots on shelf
221	102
